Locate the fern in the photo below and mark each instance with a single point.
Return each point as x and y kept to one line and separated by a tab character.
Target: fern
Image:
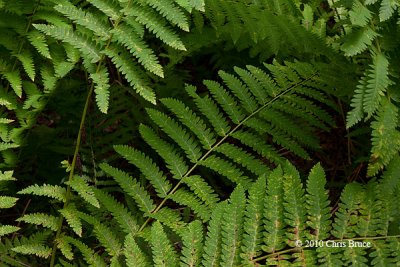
236	233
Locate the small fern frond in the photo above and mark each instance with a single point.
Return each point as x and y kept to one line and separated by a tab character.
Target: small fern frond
318	204
52	191
232	230
70	213
192	241
162	250
358	41
377	84
147	167
134	256
79	185
132	188
45	220
385	137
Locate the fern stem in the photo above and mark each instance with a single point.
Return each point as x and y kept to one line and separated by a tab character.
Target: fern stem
333	240
71	173
176	187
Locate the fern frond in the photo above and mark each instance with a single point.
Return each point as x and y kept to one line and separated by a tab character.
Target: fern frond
7	229
64	34
191	121
52	191
202	190
70	213
232	230
360	14
377	84
343	225
33	249
131	187
385	137
213	241
357	102
175	163
210	110
138	48
358	41
192	244
7	202
45	220
253	221
79	185
134	256
85	19
104	234
168	10
147	17
132	73
125	219
294	204
162	250
179	135
318	204
91	257
147	167
388	7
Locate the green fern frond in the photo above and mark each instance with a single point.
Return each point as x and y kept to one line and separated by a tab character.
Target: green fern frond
294	204
91	257
385	137
377	84
84	19
147	167
388	7
318	204
33	249
138	48
358	41
162	250
192	244
104	234
101	89
131	187
125	219
7	202
155	24
173	14
253	230
343	226
232	230
134	256
357	102
79	185
45	220
360	14
67	35
52	191
70	213
7	229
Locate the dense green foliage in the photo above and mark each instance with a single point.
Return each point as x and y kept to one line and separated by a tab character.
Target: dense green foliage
199	133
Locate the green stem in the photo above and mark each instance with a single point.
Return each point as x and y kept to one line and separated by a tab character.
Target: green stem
71	174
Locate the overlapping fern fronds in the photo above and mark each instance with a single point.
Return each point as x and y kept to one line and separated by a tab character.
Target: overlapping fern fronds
116	29
237	132
371	33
